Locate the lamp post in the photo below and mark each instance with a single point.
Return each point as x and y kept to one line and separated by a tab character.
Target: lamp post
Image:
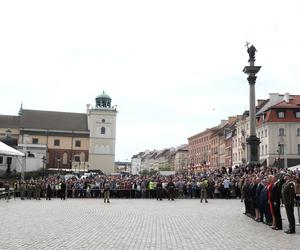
252	141
44	163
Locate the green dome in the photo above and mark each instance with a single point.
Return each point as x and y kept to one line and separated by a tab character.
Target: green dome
103	96
103	101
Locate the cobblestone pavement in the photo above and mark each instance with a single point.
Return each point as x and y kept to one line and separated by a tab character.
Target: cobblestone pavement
135	224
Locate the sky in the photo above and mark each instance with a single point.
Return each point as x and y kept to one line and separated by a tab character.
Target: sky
174	68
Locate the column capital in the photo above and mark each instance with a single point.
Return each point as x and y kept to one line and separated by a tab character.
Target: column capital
251	79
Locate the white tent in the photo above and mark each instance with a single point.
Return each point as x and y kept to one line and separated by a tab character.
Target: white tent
7	150
294	168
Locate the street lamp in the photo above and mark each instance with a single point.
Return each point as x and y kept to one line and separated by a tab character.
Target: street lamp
44	163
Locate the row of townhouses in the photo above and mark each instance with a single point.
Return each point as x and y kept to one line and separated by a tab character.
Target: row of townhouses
277	127
170	159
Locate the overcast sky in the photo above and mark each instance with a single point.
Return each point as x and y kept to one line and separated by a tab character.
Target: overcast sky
173	68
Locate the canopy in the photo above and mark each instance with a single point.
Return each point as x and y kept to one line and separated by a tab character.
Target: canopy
294	168
7	150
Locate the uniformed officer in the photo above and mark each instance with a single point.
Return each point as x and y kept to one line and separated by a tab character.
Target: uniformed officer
38	187
288	198
22	190
106	192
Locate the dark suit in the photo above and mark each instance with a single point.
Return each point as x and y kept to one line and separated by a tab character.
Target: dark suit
63	191
275	198
265	206
258	200
288	196
159	190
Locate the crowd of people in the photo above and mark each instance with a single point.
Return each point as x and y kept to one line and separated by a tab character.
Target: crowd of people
262	189
265	192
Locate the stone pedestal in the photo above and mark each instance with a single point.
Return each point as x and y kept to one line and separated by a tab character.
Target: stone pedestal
253	150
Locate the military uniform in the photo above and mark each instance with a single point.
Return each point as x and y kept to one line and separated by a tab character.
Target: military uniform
38	187
288	196
22	190
106	192
203	187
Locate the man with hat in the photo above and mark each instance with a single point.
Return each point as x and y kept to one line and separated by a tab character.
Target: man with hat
288	196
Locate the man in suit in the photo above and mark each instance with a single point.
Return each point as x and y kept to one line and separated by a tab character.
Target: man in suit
275	198
63	190
288	198
171	189
159	190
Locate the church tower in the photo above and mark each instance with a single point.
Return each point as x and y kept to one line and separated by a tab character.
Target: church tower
102	126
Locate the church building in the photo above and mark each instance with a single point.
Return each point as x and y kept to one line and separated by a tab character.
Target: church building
63	140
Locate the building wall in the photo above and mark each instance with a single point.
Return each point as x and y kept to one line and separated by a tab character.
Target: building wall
181	161
199	148
290	140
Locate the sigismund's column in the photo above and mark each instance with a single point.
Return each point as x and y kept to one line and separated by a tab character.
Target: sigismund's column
252	141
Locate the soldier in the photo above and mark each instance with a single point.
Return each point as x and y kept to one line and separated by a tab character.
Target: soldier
106	192
22	190
7	191
29	190
288	196
16	189
34	194
38	190
203	187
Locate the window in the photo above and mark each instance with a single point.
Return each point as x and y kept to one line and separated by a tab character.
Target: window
266	133
103	131
65	158
1	159
298	131
281	114
280	149
297	114
103	120
266	149
298	149
78	144
281	132
35	140
56	142
77	158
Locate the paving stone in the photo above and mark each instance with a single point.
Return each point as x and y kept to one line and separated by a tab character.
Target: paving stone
135	224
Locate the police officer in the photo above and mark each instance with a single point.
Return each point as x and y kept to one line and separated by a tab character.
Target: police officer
288	196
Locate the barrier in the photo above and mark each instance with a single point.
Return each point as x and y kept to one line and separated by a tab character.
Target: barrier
298	209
